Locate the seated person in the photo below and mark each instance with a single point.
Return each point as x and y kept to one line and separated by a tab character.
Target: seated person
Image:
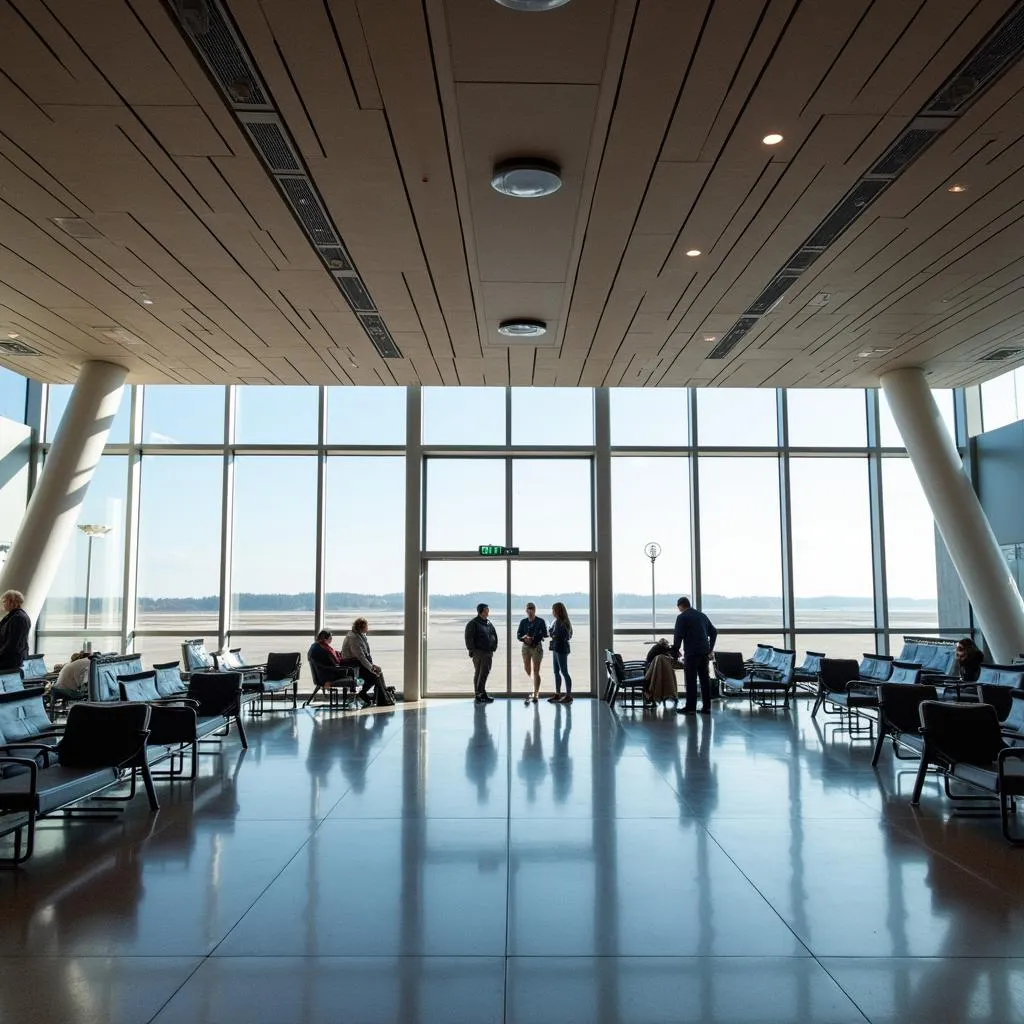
355	650
327	659
661	647
968	660
73	679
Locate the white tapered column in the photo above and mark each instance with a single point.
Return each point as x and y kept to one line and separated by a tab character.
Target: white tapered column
958	513
52	512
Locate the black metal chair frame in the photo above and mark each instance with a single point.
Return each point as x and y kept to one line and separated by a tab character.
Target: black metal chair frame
629	681
340	688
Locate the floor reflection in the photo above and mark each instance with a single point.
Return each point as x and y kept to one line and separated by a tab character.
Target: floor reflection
451	861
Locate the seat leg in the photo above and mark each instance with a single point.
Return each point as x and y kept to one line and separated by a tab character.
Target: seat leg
241	731
878	746
919	782
147	781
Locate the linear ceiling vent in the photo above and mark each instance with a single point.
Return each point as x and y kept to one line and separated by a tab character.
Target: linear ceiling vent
1000	354
736	334
909	146
209	26
76	227
306	204
19	348
800	261
848	210
227	59
336	258
269	137
1002	48
771	296
380	335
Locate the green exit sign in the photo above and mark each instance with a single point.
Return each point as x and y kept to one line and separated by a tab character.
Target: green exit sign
497	549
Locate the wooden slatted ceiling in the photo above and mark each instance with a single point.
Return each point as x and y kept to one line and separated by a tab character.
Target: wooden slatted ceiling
400	108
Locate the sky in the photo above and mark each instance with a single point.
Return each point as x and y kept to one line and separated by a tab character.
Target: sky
274	508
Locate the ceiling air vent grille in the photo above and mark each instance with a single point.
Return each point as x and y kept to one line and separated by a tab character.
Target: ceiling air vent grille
336	258
355	292
905	149
800	261
1002	48
772	294
307	208
267	134
216	40
18	348
852	206
736	334
380	336
1000	354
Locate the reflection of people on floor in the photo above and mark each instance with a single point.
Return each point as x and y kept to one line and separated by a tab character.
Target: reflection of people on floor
481	754
353	738
698	785
532	767
561	762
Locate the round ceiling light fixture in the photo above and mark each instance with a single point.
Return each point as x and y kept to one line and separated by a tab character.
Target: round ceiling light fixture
957	188
533	5
693	252
526	178
520	328
772	139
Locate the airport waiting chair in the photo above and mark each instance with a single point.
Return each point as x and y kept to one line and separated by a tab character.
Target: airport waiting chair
340	684
806	674
965	744
279	675
899	719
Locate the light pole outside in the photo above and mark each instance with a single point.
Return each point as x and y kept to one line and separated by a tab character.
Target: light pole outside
92	531
652	550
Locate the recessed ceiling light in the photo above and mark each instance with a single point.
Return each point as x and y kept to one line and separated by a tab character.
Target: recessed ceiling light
526	178
533	5
711	337
772	139
146	300
522	328
12	336
957	188
693	252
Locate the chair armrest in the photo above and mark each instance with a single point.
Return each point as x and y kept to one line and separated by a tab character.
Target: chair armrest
30	764
44	747
1010	753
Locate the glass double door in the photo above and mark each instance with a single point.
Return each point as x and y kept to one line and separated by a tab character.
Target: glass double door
454	587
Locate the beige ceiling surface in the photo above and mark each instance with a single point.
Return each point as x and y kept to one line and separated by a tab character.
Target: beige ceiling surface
184	261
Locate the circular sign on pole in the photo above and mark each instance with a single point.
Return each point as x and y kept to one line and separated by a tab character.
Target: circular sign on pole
652	550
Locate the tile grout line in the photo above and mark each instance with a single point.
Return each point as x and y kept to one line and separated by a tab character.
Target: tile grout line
508	859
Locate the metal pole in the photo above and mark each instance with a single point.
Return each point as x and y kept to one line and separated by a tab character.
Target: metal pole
654	616
88	580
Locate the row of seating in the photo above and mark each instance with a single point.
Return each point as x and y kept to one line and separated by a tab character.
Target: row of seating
267	682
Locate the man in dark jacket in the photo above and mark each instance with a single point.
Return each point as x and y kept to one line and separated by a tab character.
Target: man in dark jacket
481	642
695	636
15	627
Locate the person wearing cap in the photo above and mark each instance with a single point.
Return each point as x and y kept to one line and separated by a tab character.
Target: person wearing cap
481	642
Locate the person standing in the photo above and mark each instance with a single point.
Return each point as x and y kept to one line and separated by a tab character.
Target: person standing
532	633
561	634
481	642
15	627
695	636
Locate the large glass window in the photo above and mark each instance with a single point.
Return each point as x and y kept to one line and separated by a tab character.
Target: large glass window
366	416
183	414
179	563
737	417
273	553
275	414
830	509
13	391
364	541
909	548
465	503
888	431
741	570
552	509
1002	400
636	521
651	417
552	416
102	575
57	399
471	416
826	418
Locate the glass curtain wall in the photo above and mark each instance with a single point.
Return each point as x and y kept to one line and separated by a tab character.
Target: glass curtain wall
253	516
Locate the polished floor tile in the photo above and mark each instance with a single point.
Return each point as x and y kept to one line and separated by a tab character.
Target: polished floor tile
367	990
448	862
665	990
89	990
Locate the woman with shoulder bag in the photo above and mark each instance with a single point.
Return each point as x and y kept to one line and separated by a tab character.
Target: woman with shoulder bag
560	633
